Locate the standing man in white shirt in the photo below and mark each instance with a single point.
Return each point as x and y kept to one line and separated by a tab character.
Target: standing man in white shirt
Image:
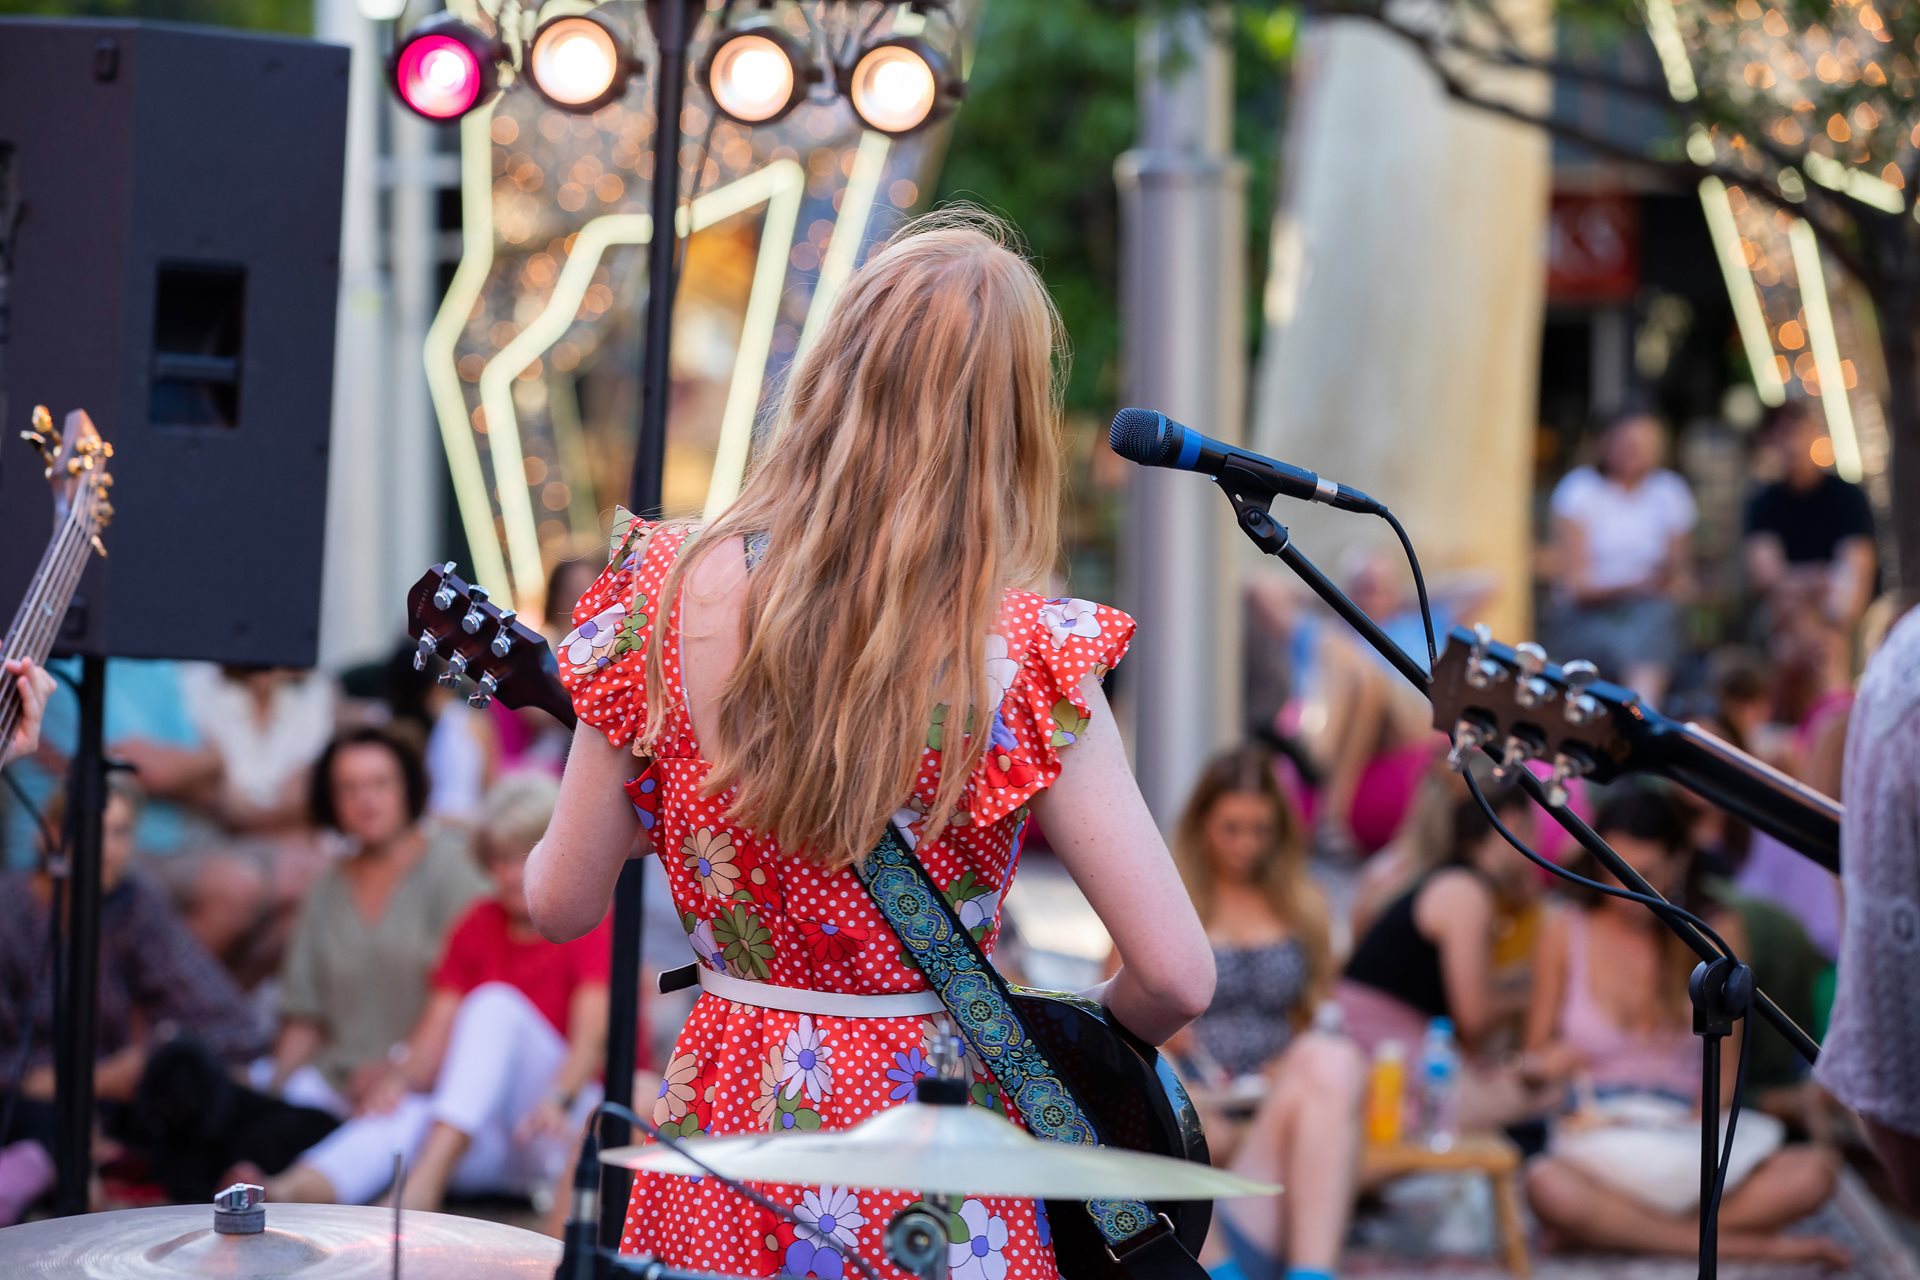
1621	532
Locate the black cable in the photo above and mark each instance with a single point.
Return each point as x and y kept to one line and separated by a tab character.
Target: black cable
47	833
1659	906
1419	586
1710	1213
739	1188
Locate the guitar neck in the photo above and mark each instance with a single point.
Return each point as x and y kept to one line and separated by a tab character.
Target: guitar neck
1753	791
37	622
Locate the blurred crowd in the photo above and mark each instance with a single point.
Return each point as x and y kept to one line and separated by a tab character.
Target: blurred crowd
316	949
1393	972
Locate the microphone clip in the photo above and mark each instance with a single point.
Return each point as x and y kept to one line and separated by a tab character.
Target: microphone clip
1252	497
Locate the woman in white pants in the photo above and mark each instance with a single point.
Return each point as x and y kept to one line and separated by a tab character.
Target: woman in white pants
501	1071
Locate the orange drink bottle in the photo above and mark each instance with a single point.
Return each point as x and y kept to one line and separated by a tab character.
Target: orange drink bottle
1386	1094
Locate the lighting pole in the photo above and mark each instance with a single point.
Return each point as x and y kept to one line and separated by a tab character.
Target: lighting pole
673	22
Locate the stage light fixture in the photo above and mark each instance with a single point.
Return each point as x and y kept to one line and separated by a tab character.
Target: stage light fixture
578	63
899	85
756	73
445	68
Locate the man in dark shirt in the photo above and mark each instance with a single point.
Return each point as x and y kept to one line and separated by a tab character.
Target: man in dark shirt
1809	532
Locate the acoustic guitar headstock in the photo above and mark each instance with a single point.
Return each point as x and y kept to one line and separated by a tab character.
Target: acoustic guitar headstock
1520	707
456	622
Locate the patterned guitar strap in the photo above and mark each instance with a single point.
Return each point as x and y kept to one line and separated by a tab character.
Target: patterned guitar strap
977	999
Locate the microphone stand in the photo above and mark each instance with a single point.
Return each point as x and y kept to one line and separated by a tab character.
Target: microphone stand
1722	988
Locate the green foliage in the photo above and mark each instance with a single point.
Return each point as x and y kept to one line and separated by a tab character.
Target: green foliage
292	16
1050	107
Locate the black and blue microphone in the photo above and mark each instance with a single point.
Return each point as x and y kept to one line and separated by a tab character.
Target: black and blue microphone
1152	439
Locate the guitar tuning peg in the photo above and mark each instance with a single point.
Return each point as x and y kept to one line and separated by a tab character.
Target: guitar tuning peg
1468	736
503	638
42	420
483	692
1581	706
1519	749
1482	671
472	621
106	481
424	649
456	667
1533	689
106	448
1567	765
99	546
75	465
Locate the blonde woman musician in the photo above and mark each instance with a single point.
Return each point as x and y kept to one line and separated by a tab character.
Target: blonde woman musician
854	639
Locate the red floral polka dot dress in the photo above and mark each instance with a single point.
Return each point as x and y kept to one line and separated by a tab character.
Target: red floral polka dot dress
758	914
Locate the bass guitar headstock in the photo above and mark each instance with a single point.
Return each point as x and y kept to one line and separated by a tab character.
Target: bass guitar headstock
76	461
1519	707
456	623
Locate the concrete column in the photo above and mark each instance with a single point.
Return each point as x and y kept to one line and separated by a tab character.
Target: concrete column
1182	197
1403	316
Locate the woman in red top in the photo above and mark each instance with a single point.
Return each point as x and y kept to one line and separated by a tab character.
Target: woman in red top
853	641
502	1068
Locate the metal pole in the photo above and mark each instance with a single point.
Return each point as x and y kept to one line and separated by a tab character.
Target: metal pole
672	25
1182	196
74	1045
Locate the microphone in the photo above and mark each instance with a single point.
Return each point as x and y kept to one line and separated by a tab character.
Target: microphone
1153	439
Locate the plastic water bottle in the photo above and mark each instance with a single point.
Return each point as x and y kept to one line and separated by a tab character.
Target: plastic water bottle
1440	1085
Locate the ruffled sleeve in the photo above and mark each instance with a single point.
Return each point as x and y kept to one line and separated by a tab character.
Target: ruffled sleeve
1044	712
603	660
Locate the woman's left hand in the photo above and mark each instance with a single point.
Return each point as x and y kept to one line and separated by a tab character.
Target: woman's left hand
549	1119
35	686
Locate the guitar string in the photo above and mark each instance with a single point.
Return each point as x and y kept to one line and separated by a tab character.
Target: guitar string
56	581
42	623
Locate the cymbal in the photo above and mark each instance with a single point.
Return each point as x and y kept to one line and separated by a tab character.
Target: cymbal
945	1150
301	1242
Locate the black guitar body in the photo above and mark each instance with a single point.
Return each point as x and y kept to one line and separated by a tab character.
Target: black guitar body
1129	1091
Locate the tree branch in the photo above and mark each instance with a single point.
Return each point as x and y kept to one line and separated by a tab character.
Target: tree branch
1431	49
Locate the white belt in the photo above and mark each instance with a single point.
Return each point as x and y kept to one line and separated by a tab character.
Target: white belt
801	1000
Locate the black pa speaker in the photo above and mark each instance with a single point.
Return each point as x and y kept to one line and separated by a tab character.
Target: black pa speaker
172	267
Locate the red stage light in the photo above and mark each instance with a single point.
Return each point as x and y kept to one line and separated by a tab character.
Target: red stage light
444	69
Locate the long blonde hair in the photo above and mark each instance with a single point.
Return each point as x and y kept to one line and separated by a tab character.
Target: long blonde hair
1282	876
912	476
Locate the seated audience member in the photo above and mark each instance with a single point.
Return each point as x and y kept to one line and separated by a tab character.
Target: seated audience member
499	1073
1870	1060
1429	953
1808	530
1611	1013
1365	733
1243	857
156	983
268	726
355	979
